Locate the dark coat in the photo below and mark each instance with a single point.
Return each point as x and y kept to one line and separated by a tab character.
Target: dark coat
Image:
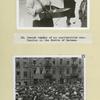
70	4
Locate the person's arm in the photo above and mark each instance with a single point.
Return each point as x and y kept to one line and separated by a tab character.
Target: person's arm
31	7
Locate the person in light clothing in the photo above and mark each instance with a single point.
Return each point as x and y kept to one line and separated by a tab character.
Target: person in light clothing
34	8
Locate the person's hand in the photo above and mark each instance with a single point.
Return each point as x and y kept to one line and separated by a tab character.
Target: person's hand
38	10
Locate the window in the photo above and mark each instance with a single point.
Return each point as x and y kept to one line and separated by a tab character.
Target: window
18	73
60	71
24	64
74	59
74	69
79	70
53	61
18	83
68	62
54	71
17	64
34	62
47	71
41	70
61	61
35	71
25	74
79	61
25	83
67	71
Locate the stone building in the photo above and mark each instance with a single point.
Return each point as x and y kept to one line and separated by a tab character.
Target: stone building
33	70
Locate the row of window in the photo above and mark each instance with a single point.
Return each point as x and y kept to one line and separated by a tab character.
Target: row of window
34	62
18	73
25	73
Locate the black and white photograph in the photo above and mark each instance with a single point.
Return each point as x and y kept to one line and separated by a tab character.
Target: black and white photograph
67	14
49	78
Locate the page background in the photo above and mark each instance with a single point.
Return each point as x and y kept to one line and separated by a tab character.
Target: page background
8	49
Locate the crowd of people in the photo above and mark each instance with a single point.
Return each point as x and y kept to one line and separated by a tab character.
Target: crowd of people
72	90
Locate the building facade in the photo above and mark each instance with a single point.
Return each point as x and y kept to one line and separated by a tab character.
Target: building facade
33	70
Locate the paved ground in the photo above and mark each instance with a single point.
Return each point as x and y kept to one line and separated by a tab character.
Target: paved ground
25	20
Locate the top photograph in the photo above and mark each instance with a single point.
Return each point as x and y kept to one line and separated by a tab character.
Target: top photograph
67	14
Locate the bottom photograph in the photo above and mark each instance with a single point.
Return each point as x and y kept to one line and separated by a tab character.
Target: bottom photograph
49	78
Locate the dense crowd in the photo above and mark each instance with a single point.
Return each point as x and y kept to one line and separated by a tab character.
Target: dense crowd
73	90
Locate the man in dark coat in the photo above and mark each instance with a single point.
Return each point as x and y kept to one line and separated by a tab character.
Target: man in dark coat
70	13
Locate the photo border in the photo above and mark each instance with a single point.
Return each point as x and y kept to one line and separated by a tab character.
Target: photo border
53	28
53	56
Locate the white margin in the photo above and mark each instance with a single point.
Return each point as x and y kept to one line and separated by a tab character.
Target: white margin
53	56
53	28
